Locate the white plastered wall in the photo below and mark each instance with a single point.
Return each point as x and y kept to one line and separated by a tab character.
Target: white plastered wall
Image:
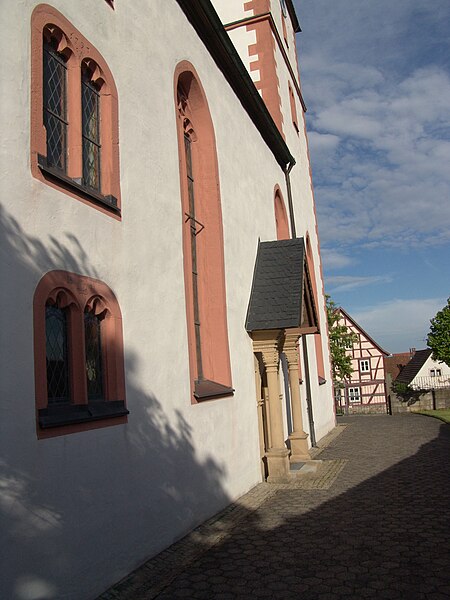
83	510
429	364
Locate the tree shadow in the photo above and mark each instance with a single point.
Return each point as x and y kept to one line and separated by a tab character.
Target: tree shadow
382	535
80	511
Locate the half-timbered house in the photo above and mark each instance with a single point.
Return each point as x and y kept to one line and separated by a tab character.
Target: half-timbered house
421	373
365	390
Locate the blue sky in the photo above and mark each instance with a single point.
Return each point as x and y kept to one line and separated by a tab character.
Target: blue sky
376	81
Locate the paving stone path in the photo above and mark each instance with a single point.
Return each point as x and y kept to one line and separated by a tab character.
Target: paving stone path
374	522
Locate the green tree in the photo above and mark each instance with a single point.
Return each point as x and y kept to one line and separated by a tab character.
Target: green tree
439	337
341	339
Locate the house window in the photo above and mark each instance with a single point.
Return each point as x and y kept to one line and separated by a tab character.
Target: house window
293	108
281	218
54	104
283	21
435	372
203	254
354	395
317	336
74	114
364	366
90	106
78	347
93	351
56	355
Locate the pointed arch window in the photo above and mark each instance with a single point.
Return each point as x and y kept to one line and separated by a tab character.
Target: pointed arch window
90	107
55	101
203	254
281	219
57	359
78	349
74	113
93	353
317	336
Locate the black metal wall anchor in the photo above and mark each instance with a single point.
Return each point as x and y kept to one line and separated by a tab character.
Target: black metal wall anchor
195	222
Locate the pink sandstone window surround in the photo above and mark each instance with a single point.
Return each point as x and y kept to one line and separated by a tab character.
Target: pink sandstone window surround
78	355
317	336
281	219
284	15
74	114
203	255
293	108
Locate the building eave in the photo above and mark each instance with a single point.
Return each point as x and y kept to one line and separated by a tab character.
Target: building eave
293	15
206	22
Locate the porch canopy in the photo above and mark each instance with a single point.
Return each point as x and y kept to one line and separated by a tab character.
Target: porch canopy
282	295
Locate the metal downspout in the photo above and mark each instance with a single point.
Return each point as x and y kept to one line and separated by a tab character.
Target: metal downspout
312	431
289	193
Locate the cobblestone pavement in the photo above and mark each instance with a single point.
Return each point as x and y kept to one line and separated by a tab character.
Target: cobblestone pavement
373	522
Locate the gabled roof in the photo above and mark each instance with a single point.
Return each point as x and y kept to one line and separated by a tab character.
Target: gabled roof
281	296
395	364
358	326
408	372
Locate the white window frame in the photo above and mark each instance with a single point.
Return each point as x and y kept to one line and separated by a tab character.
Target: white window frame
364	365
435	372
354	395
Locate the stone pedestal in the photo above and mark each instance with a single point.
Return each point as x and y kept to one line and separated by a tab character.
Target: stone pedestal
269	343
278	465
298	438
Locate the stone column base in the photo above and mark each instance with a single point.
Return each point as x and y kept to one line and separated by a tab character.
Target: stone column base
278	465
299	446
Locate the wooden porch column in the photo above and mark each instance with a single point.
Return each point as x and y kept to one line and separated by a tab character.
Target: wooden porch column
298	437
268	343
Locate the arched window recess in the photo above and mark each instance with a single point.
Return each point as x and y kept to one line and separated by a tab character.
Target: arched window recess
79	372
204	270
74	113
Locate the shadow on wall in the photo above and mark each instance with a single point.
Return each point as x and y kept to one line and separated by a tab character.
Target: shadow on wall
385	537
79	512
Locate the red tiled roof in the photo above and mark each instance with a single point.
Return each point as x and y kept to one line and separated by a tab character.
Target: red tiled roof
395	363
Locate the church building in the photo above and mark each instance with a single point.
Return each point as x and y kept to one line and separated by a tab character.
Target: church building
164	342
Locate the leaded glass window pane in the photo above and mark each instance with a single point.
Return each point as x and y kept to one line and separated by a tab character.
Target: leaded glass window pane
90	101
56	355
94	376
55	120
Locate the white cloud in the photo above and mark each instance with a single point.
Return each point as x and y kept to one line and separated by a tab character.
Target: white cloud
346	283
389	176
333	259
379	127
322	142
398	325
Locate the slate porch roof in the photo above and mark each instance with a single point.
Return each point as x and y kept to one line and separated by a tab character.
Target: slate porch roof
281	288
408	372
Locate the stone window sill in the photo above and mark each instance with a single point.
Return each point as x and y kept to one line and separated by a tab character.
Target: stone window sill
71	414
110	202
207	390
